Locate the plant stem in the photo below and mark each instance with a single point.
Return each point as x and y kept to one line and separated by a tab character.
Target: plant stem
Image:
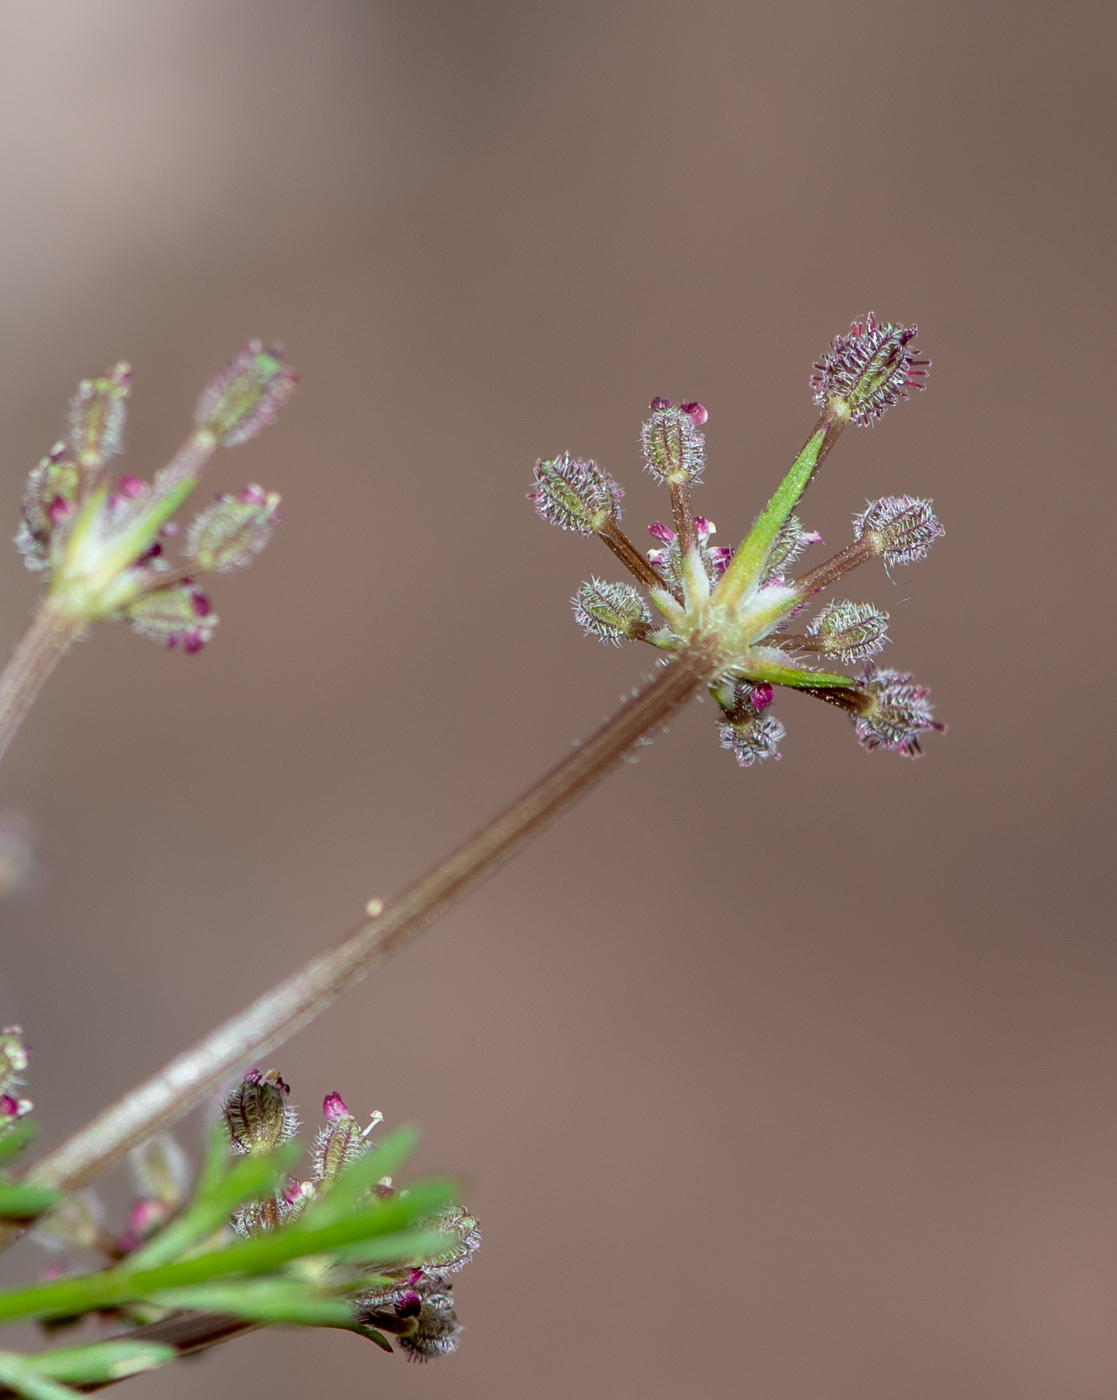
279	1013
40	649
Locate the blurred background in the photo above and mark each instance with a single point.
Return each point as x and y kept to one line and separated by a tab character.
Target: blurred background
794	1082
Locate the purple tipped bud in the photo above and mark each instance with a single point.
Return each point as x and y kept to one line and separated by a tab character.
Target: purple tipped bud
869	370
177	616
11	1108
231	532
333	1108
669	561
658	404
611	611
900	528
753	740
257	1117
97	413
674	449
894	713
575	495
789	543
698	415
247	395
852	631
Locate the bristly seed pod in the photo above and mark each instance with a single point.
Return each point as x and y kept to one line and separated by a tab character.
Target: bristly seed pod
340	1142
177	616
231	532
13	1057
900	528
466	1233
247	394
97	413
852	631
257	1117
869	370
894	714
752	740
575	495
674	449
611	611
48	499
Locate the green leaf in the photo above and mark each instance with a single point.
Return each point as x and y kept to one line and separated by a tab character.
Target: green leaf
22	1375
103	1361
385	1159
249	1179
747	565
269	1300
25	1202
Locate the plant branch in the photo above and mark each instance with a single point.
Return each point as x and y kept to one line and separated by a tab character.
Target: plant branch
279	1013
40	649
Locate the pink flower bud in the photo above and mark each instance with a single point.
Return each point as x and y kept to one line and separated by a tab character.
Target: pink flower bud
131	486
657	405
762	695
698	414
334	1108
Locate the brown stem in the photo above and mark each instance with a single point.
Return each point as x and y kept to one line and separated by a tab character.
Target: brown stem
683	514
39	651
630	556
852	557
279	1013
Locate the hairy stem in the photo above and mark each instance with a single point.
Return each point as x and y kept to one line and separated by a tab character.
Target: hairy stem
279	1013
39	651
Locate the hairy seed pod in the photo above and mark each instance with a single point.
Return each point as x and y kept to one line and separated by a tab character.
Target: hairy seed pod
247	394
231	532
177	616
869	370
852	631
97	413
611	611
674	449
257	1117
901	529
894	713
575	495
752	740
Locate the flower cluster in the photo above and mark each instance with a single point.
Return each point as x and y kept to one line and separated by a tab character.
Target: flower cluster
408	1300
726	613
102	540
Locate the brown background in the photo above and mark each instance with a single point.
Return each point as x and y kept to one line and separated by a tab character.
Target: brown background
797	1083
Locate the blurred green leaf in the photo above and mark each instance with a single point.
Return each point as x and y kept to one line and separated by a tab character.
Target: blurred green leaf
22	1375
248	1179
25	1202
16	1137
263	1300
103	1361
